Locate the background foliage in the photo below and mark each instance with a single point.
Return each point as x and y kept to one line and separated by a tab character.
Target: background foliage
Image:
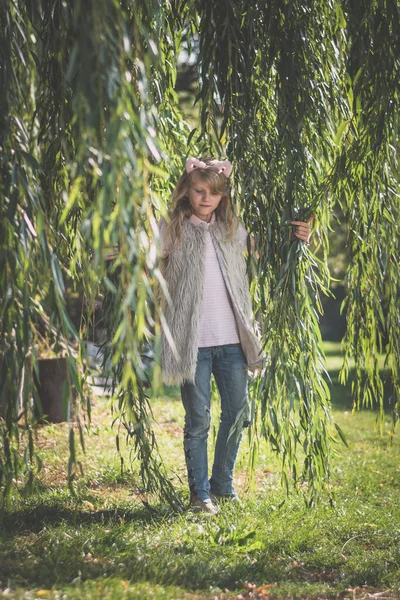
302	97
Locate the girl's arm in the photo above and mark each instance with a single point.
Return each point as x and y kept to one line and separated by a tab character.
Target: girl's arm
110	252
301	229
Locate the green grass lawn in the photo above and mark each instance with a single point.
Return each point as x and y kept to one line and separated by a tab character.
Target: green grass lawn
106	544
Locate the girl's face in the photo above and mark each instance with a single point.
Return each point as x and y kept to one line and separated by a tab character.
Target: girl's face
203	200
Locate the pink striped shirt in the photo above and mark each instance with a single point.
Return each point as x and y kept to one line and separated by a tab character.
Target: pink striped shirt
217	325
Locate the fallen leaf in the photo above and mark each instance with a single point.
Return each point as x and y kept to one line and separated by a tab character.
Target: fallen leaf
263	589
248	585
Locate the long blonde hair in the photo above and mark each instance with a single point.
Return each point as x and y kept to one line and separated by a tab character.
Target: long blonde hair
181	208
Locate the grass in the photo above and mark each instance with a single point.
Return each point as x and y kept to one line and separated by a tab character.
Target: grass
106	544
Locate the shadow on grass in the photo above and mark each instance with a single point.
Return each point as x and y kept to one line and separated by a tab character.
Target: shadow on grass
34	520
342	397
70	512
58	557
332	350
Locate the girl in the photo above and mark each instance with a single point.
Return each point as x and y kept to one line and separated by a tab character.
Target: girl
208	327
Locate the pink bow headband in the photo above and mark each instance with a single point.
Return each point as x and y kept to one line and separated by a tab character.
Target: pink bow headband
220	166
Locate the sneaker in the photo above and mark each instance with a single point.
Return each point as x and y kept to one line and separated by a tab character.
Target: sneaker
206	506
232	498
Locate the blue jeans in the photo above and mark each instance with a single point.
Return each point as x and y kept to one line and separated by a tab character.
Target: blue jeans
228	365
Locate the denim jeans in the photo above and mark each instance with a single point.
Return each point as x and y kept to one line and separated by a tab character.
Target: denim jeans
228	365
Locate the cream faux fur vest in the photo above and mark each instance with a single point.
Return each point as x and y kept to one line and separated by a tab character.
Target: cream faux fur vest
183	271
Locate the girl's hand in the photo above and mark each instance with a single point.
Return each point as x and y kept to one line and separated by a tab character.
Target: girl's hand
110	252
302	230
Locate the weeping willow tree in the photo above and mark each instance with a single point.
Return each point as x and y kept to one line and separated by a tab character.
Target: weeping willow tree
308	92
303	97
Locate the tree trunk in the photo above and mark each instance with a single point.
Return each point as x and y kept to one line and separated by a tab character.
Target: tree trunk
55	393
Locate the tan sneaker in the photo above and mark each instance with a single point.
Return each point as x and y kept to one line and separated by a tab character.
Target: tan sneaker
232	498
206	506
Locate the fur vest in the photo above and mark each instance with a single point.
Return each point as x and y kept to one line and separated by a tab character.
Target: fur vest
183	271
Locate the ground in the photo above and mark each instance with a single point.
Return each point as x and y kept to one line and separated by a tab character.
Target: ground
106	542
